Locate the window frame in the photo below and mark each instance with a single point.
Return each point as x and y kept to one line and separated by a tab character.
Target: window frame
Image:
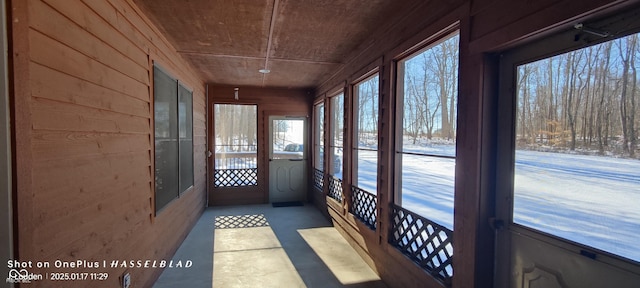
356	125
176	95
332	145
318	135
398	92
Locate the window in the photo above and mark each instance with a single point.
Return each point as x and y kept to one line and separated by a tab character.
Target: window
337	135
366	134
318	147
336	145
365	151
318	140
576	169
185	130
428	90
236	145
173	118
365	116
422	215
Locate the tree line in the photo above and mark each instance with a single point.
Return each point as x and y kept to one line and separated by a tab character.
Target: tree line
235	127
431	92
581	100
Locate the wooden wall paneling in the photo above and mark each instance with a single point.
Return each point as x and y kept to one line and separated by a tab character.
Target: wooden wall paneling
529	25
54	85
51	23
494	15
347	153
466	218
386	151
86	109
53	115
56	55
101	28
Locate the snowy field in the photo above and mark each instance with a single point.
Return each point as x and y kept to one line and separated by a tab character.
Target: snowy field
587	199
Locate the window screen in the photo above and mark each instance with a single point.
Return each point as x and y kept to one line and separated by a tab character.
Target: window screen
318	140
185	121
428	86
366	134
337	135
166	134
173	122
577	174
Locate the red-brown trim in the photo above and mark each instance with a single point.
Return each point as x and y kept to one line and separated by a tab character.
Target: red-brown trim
20	102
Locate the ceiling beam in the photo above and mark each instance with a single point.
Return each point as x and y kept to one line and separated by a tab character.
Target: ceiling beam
204	54
274	14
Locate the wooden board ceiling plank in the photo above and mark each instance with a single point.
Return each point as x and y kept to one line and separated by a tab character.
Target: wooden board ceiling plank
239	27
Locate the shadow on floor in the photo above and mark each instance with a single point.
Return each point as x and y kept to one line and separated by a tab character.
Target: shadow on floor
263	246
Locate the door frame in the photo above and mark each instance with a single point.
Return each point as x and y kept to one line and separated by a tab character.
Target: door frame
6	210
266	114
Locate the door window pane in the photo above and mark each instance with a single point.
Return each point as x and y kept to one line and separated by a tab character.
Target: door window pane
287	139
577	174
236	145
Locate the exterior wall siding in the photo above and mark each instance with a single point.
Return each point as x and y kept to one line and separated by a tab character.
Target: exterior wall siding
84	109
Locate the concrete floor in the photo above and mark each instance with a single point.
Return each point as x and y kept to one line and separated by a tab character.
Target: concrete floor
262	246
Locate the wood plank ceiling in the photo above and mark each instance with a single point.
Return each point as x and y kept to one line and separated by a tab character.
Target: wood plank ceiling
302	42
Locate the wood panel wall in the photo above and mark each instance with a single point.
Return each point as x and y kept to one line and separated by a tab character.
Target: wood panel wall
486	28
270	101
84	138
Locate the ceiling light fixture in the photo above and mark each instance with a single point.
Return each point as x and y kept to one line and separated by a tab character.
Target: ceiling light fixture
264	71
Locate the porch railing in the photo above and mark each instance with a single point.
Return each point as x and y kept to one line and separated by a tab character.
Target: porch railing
364	206
427	243
235	168
318	180
335	188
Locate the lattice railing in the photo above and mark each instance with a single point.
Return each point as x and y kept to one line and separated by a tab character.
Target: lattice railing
364	206
335	188
425	242
318	180
235	177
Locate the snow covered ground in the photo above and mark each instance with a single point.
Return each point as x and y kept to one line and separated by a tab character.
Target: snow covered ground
592	200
